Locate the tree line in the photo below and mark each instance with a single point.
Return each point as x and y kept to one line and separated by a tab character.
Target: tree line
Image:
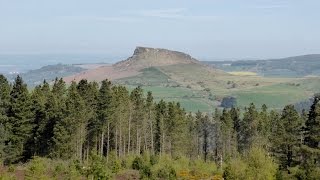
86	118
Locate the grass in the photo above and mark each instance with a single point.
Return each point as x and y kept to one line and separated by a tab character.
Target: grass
191	100
274	96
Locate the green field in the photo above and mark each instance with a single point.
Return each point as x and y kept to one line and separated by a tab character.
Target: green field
191	85
275	96
191	100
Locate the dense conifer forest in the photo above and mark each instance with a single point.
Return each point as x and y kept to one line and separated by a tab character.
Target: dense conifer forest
90	130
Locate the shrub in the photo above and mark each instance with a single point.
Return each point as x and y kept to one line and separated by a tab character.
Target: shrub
236	169
154	159
256	165
167	172
115	166
145	172
37	168
137	163
126	162
98	168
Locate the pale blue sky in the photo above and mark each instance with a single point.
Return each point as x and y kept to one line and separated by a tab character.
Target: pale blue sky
203	28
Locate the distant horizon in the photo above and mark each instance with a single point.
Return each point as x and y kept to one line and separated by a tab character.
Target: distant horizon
118	57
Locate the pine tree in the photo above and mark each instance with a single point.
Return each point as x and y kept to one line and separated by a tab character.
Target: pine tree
40	119
249	129
228	134
206	130
176	129
159	126
150	119
89	94
198	124
56	112
69	132
313	125
138	116
19	122
311	147
286	140
4	106
235	116
103	113
218	143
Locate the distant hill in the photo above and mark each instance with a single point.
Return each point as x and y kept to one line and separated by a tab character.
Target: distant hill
297	66
49	73
142	58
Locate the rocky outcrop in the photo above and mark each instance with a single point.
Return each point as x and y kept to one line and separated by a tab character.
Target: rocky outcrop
144	57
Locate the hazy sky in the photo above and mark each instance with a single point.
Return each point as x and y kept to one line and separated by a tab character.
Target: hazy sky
203	28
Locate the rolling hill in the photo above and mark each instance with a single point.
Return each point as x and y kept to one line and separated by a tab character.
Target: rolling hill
297	66
49	73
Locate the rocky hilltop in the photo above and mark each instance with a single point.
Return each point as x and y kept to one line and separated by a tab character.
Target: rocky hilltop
144	57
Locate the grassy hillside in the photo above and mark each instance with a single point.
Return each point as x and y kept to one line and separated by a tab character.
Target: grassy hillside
200	88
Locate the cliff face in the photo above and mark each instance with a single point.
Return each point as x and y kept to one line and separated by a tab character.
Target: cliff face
146	57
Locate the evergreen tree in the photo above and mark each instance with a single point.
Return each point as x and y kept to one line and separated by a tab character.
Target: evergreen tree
138	116
4	107
218	143
56	112
39	100
89	94
159	126
103	114
228	134
19	122
312	138
286	141
69	132
249	129
151	119
206	130
311	148
235	116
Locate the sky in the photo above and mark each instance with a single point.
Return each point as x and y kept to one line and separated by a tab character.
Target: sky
203	28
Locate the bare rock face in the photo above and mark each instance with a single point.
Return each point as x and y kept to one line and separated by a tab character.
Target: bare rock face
144	57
